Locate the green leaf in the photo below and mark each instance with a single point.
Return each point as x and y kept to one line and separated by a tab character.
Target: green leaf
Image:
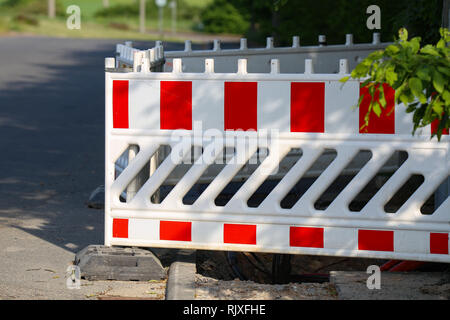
367	62
445	34
438	108
446	96
391	76
376	55
359	71
415	44
361	97
441	44
424	73
344	79
416	86
446	71
366	82
422	98
411	107
382	98
392	50
429	49
406	96
403	98
403	34
399	91
438	82
377	108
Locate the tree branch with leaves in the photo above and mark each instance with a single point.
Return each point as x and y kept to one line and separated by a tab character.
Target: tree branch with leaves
419	75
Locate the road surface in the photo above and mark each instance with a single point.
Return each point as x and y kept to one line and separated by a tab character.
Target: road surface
52	157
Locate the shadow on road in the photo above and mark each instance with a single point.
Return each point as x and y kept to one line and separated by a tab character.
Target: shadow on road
52	136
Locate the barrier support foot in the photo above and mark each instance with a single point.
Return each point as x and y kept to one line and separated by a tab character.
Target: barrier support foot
97	262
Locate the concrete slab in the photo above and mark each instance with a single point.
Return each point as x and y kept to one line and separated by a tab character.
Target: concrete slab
394	286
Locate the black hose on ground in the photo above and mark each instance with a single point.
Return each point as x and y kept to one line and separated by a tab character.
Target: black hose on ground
281	268
231	258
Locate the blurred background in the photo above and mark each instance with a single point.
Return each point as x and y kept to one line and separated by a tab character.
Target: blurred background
199	19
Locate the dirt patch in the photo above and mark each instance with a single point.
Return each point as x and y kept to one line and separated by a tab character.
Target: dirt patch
213	289
257	267
214	264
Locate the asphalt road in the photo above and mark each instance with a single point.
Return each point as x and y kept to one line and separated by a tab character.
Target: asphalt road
52	157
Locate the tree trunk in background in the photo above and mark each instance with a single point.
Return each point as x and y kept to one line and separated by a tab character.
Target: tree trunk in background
51	8
173	5
142	16
275	22
105	3
445	13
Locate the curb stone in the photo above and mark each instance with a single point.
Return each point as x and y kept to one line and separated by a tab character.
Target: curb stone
181	279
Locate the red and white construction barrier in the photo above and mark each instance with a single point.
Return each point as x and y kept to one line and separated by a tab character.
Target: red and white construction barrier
309	111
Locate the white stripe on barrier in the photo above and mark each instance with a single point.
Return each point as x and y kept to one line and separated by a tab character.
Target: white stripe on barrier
336	96
273	105
144	99
207	103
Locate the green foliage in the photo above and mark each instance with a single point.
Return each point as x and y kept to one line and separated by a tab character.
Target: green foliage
419	75
121	10
32	7
222	17
422	18
334	18
131	10
3	25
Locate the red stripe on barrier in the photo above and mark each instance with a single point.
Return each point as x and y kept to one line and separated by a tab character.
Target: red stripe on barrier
176	105
239	233
434	127
385	123
120	104
439	243
307	107
306	237
241	99
175	230
376	240
120	228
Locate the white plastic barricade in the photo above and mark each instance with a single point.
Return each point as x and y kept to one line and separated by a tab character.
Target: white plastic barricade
325	57
129	57
125	55
233	119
